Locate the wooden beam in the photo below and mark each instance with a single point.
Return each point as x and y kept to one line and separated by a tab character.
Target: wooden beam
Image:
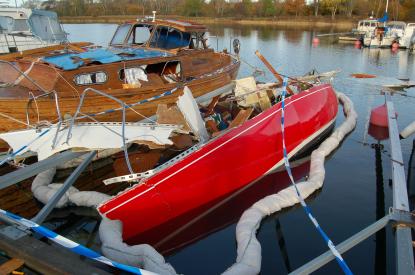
272	70
45	258
10	266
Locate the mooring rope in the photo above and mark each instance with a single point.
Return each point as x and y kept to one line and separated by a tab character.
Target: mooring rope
306	208
71	245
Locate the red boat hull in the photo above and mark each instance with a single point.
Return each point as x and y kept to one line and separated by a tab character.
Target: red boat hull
223	165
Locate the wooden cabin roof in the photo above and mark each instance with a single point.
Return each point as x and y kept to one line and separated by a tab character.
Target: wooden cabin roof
184	26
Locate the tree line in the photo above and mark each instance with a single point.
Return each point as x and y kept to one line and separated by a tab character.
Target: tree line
398	9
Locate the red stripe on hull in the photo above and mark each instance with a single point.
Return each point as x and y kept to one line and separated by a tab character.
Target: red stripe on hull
224	164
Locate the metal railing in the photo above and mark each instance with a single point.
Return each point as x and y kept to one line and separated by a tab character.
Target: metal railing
123	107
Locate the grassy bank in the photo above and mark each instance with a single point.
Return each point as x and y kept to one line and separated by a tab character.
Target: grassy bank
295	22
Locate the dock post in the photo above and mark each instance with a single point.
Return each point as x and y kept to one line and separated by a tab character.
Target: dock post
404	250
42	215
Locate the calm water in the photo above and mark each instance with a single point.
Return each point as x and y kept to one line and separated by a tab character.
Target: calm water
350	199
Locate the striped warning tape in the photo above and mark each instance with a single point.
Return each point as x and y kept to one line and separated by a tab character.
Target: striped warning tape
167	93
73	246
307	209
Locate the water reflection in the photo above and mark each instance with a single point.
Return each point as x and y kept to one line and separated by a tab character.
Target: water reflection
223	213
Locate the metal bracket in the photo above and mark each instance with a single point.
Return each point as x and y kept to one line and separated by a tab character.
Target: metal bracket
401	218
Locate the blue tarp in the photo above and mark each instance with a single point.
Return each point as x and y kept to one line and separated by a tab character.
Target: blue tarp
384	18
103	56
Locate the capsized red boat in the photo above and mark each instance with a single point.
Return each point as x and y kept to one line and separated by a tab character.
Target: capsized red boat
212	170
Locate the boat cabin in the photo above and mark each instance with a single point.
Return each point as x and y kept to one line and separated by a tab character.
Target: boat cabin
145	59
368	25
169	35
396	28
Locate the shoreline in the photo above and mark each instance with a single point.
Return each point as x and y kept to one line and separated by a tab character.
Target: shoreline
287	22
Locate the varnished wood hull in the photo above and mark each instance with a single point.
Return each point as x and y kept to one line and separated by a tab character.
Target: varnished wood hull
44	109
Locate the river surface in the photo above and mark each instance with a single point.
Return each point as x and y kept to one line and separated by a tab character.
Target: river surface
353	195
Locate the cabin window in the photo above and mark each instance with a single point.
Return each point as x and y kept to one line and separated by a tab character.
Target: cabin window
20	25
360	24
140	34
120	34
6	24
367	24
373	24
169	38
91	78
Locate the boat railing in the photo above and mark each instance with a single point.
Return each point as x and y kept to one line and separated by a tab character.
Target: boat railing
34	99
77	117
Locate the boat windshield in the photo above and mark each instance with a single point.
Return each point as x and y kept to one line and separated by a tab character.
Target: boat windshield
140	35
45	25
169	38
120	34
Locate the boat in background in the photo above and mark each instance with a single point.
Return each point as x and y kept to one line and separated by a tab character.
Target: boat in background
148	61
386	35
23	29
366	26
407	40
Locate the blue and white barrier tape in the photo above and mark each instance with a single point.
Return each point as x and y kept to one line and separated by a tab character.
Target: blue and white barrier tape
12	155
170	92
73	246
307	209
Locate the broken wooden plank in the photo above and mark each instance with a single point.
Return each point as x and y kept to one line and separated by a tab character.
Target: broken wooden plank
171	115
242	116
140	162
10	266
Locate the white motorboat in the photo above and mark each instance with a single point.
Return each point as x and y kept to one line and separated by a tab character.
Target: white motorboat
24	29
408	38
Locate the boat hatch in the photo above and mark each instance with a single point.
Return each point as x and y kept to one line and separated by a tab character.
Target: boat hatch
169	71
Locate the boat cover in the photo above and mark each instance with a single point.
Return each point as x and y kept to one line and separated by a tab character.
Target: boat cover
71	61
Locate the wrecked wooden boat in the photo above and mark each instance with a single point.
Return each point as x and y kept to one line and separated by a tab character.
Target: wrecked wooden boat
147	61
241	143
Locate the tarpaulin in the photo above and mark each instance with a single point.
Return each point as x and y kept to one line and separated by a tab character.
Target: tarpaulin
103	56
